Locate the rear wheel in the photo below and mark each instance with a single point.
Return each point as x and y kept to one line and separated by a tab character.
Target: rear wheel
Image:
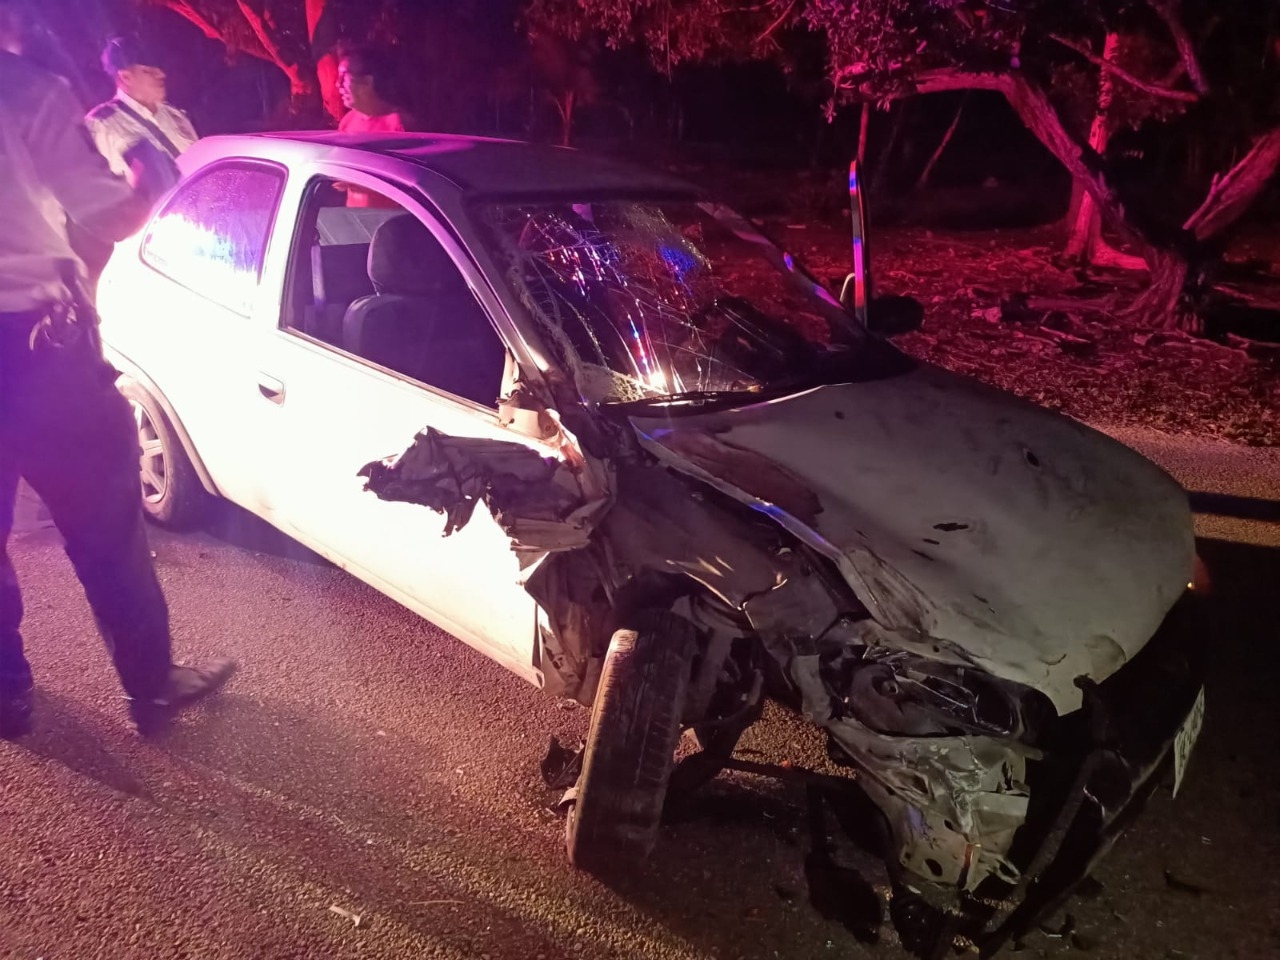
635	723
172	495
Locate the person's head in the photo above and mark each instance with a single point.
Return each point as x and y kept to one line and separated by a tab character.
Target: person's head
14	24
366	81
134	71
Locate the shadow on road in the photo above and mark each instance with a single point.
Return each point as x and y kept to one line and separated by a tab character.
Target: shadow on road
1240	508
383	819
239	528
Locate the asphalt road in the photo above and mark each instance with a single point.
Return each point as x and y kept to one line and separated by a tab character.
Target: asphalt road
366	763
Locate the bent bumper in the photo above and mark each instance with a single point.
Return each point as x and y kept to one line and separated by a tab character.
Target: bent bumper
1103	763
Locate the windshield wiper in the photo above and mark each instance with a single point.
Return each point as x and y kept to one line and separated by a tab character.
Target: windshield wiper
695	398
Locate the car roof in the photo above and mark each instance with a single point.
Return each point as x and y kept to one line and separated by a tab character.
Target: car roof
487	166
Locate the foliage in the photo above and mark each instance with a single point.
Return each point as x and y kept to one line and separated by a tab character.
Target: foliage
1041	55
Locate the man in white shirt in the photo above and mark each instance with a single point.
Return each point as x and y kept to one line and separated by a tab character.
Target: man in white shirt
138	110
64	427
137	114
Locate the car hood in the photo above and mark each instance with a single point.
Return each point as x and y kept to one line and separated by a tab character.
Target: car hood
1039	547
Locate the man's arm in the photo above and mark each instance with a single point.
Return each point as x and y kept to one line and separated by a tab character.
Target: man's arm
77	174
108	142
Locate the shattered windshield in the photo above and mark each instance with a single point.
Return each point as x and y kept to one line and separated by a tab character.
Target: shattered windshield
652	300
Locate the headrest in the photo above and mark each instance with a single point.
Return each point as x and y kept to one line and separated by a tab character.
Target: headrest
339	273
406	260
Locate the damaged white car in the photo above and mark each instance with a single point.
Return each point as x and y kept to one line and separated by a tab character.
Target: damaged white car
606	433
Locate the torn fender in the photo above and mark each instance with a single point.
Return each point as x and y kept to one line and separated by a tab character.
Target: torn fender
659	524
544	503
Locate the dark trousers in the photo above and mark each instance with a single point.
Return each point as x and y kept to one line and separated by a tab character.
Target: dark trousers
69	433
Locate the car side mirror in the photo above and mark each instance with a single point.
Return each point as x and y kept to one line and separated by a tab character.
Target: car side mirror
894	316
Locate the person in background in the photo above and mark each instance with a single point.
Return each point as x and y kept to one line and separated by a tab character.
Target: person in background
367	85
138	111
137	114
64	427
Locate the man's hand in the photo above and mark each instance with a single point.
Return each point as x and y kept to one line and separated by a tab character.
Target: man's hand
152	172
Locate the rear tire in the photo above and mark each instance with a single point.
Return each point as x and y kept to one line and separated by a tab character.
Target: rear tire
635	724
172	495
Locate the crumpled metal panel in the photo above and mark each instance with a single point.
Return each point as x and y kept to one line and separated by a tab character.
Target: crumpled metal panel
1042	549
954	803
544	504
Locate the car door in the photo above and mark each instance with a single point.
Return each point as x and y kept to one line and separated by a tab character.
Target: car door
337	410
184	304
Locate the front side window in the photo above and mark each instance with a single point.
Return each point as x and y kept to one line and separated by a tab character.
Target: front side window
212	235
372	280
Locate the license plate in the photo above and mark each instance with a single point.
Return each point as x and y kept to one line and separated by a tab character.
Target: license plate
1186	740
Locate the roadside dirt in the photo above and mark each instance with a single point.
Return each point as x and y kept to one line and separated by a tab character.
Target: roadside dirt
1001	307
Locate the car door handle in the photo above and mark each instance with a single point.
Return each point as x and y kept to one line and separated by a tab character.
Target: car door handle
271	388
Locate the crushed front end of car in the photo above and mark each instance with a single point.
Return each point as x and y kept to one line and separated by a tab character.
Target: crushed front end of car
992	806
983	604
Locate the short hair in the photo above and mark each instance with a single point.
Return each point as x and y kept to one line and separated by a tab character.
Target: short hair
378	66
121	53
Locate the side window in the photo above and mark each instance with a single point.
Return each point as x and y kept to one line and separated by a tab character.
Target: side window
212	234
370	278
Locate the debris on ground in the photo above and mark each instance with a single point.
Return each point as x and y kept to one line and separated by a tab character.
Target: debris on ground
1060	931
561	765
1182	886
355	918
1000	307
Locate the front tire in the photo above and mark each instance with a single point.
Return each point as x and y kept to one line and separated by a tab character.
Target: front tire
172	495
635	724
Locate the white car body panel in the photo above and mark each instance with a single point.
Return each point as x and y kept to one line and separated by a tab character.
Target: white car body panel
293	461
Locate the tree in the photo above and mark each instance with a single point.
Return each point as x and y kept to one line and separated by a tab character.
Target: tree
297	36
565	72
1210	67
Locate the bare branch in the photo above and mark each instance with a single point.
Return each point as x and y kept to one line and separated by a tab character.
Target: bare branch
1119	72
1169	11
940	81
192	15
1037	112
189	13
923	180
731	11
777	23
1233	192
257	23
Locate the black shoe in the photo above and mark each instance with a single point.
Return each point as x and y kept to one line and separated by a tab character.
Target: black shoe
185	687
16	696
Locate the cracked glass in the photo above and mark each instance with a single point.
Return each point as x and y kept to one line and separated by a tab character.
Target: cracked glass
666	299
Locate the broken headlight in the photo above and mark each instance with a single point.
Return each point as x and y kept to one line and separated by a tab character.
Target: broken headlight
905	695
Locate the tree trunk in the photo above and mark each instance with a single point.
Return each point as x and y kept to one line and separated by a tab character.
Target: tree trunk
322	35
1161	305
1172	299
1170	257
327	75
1085	243
864	122
923	180
886	157
1086	225
566	118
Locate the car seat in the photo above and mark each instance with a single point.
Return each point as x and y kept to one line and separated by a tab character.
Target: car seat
422	320
339	277
410	272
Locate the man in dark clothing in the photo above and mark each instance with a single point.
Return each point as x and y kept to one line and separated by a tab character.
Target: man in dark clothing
63	425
